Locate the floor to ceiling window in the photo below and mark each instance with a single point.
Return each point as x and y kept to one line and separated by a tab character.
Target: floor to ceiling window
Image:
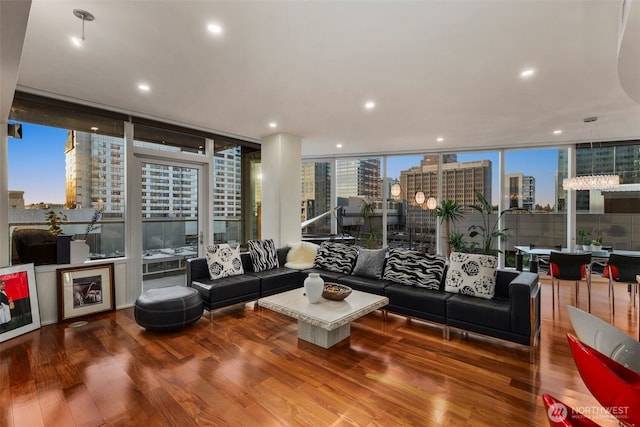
68	166
612	216
359	192
316	199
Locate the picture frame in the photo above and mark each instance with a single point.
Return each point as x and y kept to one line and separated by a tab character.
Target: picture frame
19	309
84	291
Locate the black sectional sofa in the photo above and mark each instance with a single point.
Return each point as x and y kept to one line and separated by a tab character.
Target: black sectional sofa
245	287
513	314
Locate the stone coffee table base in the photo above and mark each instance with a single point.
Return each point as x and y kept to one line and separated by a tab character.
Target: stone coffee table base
327	322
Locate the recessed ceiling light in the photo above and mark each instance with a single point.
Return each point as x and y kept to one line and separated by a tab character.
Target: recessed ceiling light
273	125
214	28
94	128
440	139
76	41
557	132
369	105
527	73
144	87
338	145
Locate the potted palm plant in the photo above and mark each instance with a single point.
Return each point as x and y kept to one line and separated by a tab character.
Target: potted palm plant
367	211
450	211
488	230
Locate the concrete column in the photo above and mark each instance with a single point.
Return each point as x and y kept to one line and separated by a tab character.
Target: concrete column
281	191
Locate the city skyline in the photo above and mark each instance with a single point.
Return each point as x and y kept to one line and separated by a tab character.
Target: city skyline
37	166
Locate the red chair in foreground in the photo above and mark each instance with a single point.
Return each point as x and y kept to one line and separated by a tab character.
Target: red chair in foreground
561	415
616	388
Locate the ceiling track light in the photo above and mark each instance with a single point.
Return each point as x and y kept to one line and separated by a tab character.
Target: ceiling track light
85	16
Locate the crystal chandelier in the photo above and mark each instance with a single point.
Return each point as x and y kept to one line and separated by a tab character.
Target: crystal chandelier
591	182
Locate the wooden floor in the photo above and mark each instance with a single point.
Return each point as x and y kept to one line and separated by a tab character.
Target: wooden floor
247	368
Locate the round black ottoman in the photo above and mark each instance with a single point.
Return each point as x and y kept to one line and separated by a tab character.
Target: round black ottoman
168	308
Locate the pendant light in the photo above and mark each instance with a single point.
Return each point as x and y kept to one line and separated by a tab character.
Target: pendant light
593	181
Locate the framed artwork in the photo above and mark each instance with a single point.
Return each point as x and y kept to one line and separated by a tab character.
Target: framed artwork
19	310
83	291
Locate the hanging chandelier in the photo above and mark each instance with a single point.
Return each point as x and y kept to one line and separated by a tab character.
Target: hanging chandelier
593	181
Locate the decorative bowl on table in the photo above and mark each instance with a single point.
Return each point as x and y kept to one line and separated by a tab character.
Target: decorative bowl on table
335	292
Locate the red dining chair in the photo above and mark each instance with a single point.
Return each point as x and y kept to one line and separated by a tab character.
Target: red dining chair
570	266
560	414
616	388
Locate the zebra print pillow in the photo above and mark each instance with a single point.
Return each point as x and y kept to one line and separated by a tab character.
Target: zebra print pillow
336	257
413	268
472	274
263	255
224	260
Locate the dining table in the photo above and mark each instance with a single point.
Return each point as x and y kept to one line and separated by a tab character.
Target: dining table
537	253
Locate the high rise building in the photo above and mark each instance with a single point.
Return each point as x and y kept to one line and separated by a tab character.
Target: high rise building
521	190
95	179
94	171
359	178
316	193
620	159
227	200
460	181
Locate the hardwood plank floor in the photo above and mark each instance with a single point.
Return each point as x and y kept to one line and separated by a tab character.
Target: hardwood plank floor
247	368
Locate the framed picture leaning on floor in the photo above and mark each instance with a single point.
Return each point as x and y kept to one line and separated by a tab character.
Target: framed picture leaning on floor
86	290
19	310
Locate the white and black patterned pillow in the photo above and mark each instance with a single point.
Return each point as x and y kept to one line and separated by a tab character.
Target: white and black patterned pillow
263	255
337	257
472	274
224	260
413	268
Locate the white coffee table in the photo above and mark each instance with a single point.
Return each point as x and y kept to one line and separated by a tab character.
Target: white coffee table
327	322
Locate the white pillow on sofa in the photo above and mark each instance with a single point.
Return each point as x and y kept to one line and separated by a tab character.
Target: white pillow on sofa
472	274
301	255
224	260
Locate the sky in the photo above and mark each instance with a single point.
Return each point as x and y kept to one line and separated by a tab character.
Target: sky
37	166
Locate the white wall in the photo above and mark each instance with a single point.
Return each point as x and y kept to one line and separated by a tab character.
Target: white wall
47	287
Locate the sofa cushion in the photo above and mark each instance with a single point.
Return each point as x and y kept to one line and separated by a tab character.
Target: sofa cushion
301	255
370	263
229	290
263	255
223	260
408	267
336	257
278	280
472	274
423	303
364	284
492	314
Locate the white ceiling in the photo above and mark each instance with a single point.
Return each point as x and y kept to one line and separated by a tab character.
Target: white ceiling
434	68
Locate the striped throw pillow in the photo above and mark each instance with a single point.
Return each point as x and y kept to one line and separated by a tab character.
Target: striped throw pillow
336	257
263	255
413	268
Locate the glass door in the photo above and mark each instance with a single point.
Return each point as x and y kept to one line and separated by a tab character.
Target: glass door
169	221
